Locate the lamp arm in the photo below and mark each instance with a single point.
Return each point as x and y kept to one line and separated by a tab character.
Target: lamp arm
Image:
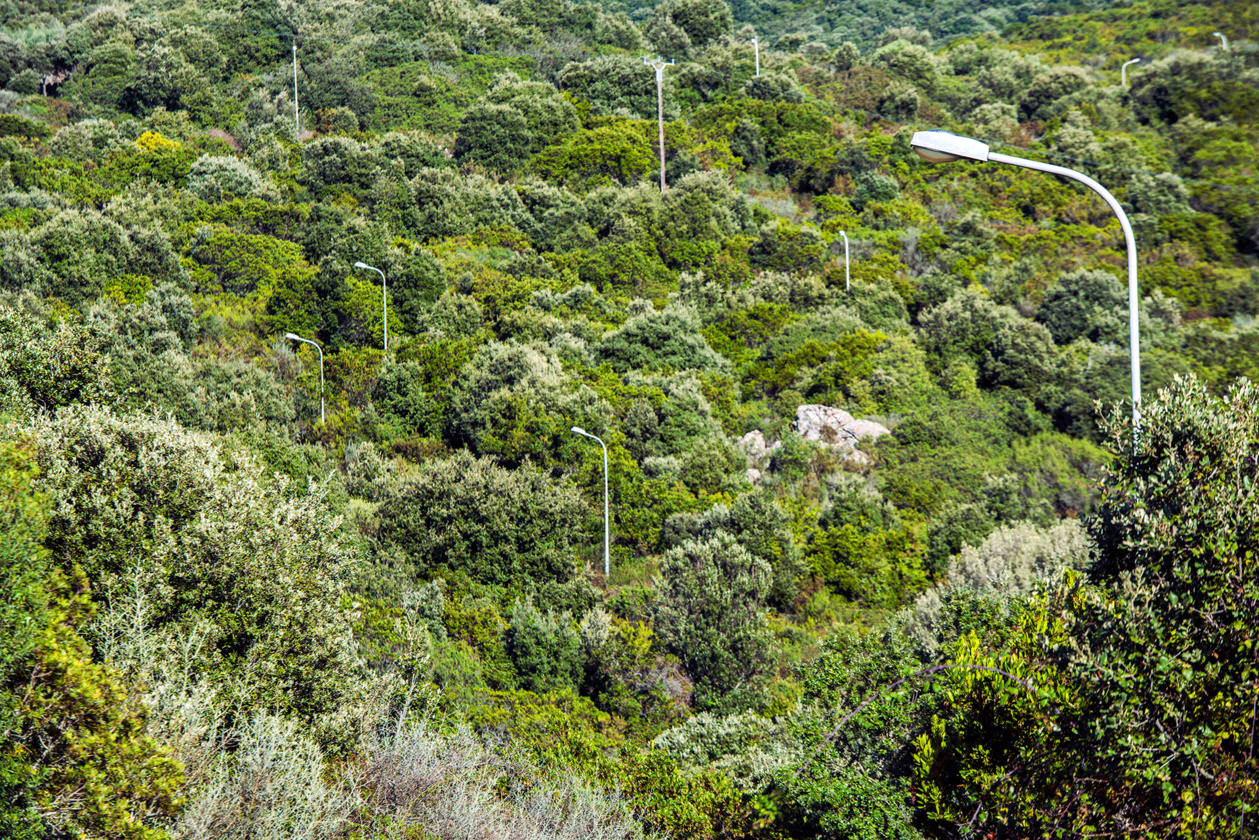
1133	299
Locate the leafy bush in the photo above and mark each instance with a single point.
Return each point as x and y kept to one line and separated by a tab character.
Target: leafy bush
208	541
512	529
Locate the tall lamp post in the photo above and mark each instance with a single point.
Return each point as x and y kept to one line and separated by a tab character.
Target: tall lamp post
384	305
1123	71
847	281
756	45
1223	41
659	65
292	337
942	147
607	560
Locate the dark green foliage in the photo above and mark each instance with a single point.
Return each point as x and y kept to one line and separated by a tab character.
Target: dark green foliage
616	154
612	84
852	781
514	120
400	398
1084	304
708	613
669	339
513	529
545	649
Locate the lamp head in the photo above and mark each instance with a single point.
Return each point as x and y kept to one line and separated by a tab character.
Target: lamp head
291	337
1216	34
938	146
361	265
577	430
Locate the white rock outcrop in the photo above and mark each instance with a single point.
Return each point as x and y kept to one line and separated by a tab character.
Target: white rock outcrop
837	428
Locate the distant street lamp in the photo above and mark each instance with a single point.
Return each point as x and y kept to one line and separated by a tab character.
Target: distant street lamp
756	45
1123	71
384	305
292	337
847	281
1224	44
942	147
607	559
659	65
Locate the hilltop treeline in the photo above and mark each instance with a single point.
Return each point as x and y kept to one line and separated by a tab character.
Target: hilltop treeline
255	589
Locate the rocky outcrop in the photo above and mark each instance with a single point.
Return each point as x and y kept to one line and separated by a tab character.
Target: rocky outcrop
837	428
822	424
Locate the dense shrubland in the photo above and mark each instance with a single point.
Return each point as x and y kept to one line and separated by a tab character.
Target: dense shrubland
1011	614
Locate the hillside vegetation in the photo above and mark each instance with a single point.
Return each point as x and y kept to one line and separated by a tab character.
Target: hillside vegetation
263	576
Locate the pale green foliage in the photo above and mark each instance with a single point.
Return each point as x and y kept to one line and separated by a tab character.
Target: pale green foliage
456	786
220	546
746	747
43	368
1014	557
214	178
448	204
89	140
271	788
1009	563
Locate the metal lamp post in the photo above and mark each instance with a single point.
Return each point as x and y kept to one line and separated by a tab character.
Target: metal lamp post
384	305
1123	71
942	147
756	45
607	558
847	280
659	65
1223	41
292	337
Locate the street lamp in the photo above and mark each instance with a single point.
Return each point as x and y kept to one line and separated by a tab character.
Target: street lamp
292	337
941	147
1224	44
847	281
756	45
607	561
1123	71
659	65
384	306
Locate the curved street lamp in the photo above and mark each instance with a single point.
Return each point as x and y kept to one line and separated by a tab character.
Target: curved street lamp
941	147
1224	44
384	306
1123	71
607	561
292	337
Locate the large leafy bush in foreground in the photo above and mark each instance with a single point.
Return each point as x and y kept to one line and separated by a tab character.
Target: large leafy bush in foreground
1127	703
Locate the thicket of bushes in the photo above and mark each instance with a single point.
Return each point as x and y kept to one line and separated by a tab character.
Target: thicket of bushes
222	616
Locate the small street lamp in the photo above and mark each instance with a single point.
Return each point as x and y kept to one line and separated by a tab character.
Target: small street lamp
292	337
847	281
1123	71
1223	40
941	147
756	45
384	305
607	560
